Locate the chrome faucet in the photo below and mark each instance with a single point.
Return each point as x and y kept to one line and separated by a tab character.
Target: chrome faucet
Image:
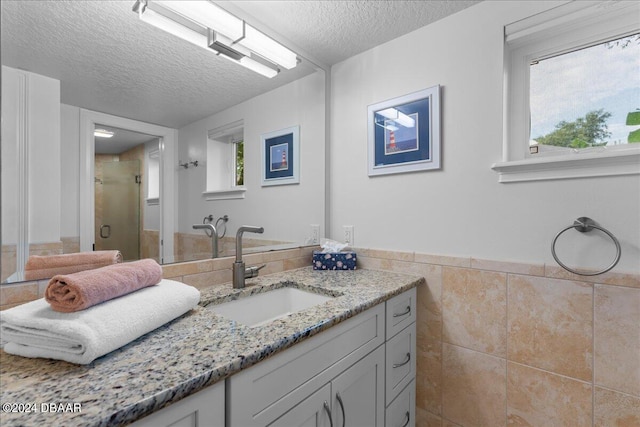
214	237
240	273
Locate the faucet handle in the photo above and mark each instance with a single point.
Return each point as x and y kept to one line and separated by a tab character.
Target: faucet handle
253	271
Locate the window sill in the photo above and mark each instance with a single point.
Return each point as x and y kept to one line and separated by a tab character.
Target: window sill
232	193
153	201
625	162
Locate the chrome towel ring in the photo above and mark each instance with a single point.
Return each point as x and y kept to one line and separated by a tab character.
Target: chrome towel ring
584	225
221	223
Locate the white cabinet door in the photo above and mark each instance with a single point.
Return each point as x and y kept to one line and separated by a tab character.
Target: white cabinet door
204	408
358	393
264	392
314	411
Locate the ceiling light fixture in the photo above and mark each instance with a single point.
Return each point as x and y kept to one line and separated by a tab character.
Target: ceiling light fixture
172	27
103	133
253	65
268	48
398	117
387	126
208	15
209	26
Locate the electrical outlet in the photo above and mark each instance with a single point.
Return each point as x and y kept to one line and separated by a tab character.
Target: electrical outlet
348	235
315	233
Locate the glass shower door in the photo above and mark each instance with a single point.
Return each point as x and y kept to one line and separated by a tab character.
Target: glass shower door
118	208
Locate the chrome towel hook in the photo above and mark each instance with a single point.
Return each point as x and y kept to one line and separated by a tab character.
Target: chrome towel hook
585	225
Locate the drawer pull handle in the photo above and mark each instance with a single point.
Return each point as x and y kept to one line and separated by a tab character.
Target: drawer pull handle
328	410
403	314
397	365
408	417
344	416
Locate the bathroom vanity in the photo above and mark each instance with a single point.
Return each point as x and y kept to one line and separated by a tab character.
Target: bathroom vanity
347	360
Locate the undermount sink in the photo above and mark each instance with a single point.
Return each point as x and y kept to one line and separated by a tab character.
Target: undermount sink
258	309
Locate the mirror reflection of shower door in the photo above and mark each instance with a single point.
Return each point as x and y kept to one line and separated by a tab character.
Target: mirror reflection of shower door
118	216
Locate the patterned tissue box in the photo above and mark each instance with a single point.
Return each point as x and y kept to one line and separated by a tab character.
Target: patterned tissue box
334	260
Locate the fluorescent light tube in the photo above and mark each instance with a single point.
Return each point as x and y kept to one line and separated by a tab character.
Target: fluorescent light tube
150	17
389	113
398	117
258	67
392	128
208	15
103	133
268	48
253	65
405	120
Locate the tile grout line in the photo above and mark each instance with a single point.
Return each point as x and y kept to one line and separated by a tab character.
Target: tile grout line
593	355
506	349
441	297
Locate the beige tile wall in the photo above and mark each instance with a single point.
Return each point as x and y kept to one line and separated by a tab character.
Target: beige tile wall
150	244
498	342
189	246
9	262
521	344
200	274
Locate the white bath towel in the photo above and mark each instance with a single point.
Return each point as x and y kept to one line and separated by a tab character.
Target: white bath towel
35	330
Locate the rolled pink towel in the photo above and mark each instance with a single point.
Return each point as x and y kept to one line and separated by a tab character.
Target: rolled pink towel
77	291
45	267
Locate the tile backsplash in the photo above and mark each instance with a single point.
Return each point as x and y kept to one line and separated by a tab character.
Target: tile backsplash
498	342
200	274
506	343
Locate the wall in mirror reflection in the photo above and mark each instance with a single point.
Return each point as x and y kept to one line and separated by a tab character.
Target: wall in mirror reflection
286	212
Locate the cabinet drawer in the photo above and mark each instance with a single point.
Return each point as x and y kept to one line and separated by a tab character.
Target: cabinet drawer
401	312
401	361
258	395
402	411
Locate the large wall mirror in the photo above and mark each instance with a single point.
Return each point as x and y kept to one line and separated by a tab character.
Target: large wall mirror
184	148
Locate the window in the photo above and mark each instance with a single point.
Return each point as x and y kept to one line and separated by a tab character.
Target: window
225	162
238	150
153	173
572	89
586	98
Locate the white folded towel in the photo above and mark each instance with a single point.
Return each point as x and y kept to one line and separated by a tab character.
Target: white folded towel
35	330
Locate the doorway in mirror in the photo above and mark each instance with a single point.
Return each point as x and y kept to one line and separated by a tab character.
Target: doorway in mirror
117	197
125	199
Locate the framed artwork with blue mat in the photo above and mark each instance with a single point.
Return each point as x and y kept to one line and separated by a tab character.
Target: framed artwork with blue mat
404	133
281	156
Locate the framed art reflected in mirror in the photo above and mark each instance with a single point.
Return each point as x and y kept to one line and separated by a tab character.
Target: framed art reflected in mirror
281	156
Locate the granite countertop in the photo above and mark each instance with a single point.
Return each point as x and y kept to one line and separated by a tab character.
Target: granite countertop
186	355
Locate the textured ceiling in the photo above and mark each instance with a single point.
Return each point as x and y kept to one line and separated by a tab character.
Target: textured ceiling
333	31
109	61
